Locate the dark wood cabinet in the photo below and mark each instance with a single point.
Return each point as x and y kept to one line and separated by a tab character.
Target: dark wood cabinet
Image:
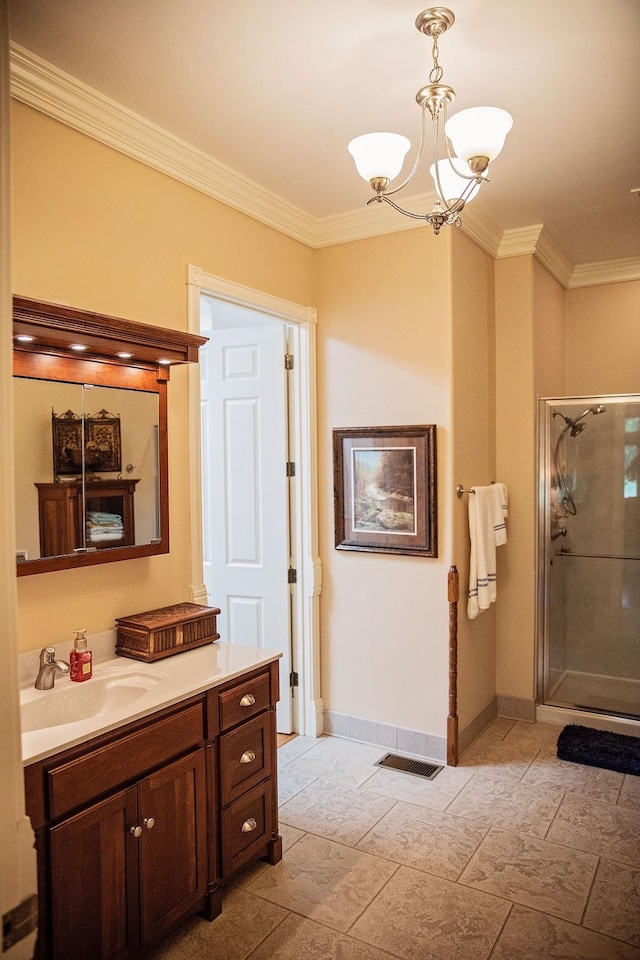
94	861
173	875
64	508
141	827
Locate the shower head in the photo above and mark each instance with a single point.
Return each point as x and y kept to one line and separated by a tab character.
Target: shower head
594	410
575	426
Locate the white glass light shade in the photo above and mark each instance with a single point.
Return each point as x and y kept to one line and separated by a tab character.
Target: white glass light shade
379	154
453	186
478	132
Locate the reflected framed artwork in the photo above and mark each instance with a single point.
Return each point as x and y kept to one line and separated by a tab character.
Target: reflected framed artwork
385	489
84	443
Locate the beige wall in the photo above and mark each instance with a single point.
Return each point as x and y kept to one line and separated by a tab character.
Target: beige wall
384	357
515	465
548	325
603	339
474	456
95	229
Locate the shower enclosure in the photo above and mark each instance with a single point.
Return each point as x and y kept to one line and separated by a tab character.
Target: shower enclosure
589	554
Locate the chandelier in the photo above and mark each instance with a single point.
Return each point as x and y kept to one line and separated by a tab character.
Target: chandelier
477	136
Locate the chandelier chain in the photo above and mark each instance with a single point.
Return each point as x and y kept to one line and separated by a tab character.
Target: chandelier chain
436	71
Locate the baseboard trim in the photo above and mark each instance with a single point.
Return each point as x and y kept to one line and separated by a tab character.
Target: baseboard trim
472	730
317	719
413	743
516	708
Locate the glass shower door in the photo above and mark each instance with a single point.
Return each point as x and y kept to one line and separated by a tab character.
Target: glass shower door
589	535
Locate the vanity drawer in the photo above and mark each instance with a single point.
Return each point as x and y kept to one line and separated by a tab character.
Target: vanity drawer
95	773
246	756
244	700
246	827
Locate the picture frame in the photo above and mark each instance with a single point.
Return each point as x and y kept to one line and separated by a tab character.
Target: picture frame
99	434
66	430
102	441
385	489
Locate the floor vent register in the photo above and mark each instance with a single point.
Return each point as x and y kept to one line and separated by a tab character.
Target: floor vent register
417	768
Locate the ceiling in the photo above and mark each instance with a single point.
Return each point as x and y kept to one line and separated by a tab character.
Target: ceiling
276	89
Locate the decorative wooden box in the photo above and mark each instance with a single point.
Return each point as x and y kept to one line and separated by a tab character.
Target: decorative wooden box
155	634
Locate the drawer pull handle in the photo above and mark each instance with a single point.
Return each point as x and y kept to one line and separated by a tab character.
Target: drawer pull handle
248	700
135	831
249	825
247	757
149	823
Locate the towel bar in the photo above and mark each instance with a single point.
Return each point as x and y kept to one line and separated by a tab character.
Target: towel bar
460	490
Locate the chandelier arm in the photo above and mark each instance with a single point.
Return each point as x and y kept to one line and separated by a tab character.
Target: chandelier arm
448	216
436	138
451	209
389	193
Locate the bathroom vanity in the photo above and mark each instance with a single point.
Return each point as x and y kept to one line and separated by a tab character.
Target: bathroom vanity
155	801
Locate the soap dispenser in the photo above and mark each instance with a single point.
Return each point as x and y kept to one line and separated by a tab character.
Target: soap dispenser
81	658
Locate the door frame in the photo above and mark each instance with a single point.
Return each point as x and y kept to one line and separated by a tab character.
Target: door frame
305	627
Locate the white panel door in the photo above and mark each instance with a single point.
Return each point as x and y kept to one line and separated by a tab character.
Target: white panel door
245	506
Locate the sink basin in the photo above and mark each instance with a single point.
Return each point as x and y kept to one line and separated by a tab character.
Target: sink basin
70	702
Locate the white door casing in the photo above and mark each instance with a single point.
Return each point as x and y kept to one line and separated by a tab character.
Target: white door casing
245	498
305	597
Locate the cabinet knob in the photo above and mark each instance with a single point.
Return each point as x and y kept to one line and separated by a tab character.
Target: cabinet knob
149	823
248	700
249	825
247	757
135	831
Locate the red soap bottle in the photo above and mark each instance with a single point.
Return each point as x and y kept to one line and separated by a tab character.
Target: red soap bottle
81	658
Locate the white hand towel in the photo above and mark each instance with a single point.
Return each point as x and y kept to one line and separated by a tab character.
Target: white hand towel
482	566
501	510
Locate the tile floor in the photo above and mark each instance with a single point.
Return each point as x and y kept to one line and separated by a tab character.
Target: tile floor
512	855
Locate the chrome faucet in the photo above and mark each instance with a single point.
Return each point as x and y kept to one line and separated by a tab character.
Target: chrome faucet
49	667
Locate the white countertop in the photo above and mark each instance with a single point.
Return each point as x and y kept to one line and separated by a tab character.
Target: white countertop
177	678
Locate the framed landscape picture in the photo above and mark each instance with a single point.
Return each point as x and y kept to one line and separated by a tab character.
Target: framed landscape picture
385	489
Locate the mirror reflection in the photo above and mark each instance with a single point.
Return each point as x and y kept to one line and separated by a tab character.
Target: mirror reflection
87	468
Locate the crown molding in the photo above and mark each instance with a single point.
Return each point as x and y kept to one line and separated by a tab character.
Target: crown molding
45	88
535	241
51	91
369	221
519	242
482	229
373	220
605	271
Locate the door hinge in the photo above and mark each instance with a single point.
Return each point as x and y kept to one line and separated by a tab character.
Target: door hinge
293	679
293	575
288	361
291	468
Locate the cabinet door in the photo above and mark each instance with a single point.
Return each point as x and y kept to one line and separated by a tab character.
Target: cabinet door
173	845
94	881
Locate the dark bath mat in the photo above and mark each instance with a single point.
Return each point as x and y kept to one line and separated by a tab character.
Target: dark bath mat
599	748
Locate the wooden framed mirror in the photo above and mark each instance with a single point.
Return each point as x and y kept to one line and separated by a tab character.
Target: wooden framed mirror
91	450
